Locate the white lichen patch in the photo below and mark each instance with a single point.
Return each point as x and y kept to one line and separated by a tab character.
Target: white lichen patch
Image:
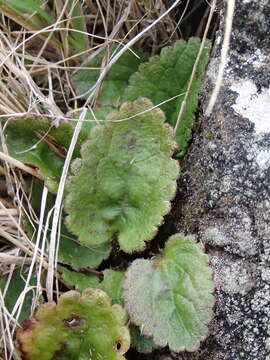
263	159
253	105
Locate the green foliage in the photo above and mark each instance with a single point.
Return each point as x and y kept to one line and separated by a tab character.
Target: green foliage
42	16
15	288
170	297
79	327
78	256
166	76
80	281
112	282
70	252
34	141
130	179
116	81
142	343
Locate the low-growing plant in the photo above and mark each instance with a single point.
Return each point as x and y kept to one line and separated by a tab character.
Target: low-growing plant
122	180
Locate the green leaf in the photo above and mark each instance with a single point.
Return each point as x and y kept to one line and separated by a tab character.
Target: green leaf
80	327
70	252
28	6
78	22
80	281
34	141
166	76
116	80
16	287
111	283
95	117
170	297
78	256
142	343
130	179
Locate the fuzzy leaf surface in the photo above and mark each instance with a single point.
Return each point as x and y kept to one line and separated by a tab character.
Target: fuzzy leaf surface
166	76
33	141
80	327
131	179
116	81
170	297
112	284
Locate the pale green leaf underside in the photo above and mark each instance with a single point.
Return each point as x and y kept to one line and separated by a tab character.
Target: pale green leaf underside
130	179
166	76
170	297
81	326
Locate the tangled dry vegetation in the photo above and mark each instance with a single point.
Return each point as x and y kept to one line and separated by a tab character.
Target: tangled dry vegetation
40	49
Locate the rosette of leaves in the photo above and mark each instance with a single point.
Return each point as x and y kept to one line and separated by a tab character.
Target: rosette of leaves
115	82
131	179
166	76
34	141
170	297
81	326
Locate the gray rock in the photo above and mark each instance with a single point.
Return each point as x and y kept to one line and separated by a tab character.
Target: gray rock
224	195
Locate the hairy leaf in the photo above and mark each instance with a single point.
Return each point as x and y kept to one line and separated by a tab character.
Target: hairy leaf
116	80
130	179
83	327
34	141
170	297
112	284
166	76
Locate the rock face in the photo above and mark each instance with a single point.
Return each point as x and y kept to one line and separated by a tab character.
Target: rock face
225	189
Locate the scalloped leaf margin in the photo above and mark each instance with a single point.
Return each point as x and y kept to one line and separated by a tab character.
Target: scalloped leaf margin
131	179
80	326
170	297
166	76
